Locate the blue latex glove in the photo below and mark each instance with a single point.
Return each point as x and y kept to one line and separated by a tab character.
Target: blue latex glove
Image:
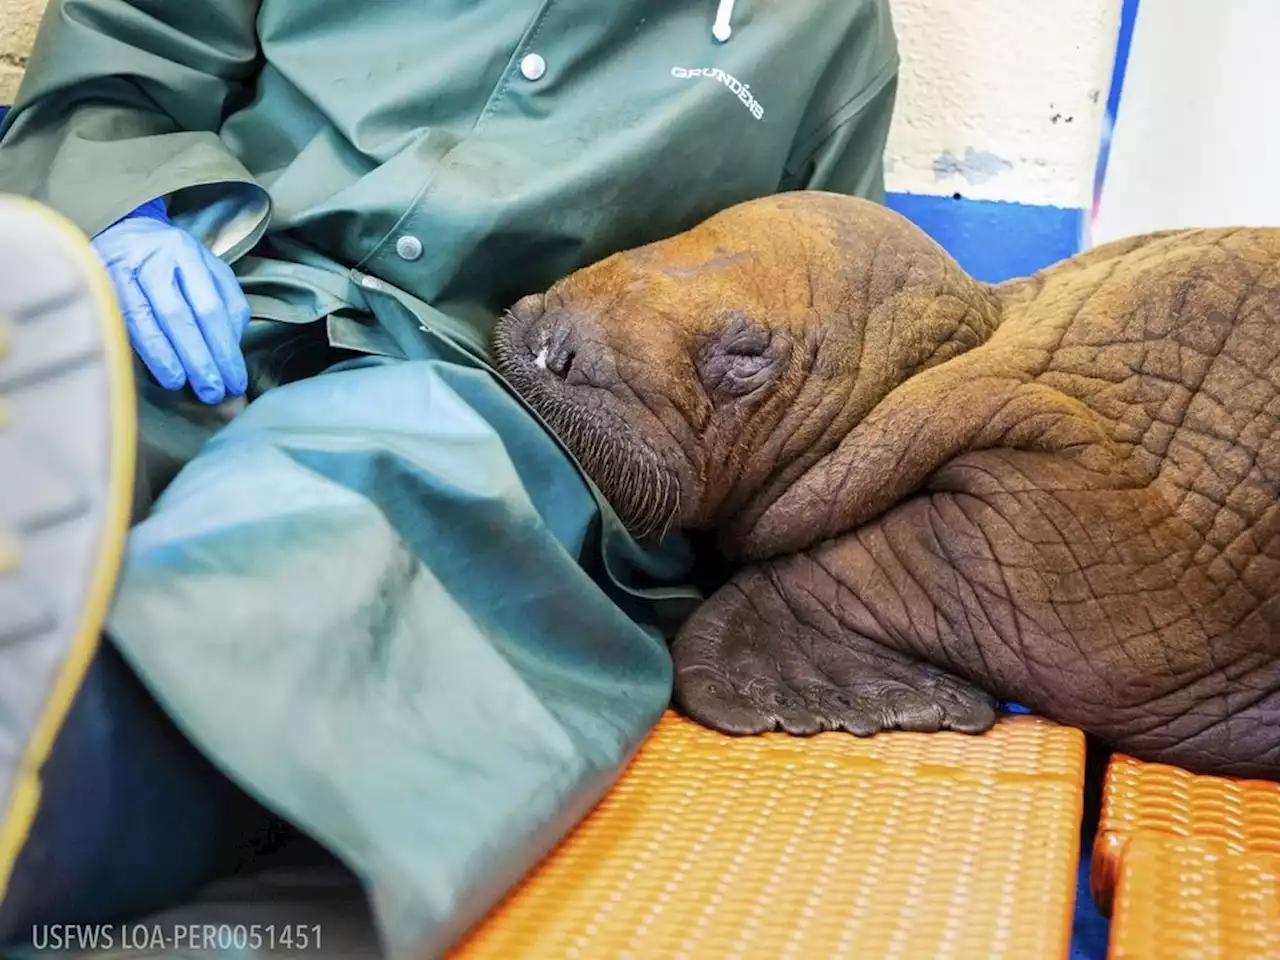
183	308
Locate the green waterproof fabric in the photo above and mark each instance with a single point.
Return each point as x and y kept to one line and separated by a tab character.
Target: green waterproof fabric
383	598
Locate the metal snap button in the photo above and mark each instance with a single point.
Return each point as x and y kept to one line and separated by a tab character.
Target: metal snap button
408	247
533	67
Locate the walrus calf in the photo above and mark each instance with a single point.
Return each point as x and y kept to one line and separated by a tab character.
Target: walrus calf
1060	491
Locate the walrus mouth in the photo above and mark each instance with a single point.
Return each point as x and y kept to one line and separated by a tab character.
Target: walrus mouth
534	356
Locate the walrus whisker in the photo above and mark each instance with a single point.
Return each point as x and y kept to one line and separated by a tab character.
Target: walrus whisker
632	478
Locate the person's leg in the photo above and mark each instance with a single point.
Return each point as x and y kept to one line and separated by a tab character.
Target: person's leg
106	808
380	599
377	599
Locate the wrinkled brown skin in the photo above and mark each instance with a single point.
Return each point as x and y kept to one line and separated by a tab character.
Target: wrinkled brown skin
1060	491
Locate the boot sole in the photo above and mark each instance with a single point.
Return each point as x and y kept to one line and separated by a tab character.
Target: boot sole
68	447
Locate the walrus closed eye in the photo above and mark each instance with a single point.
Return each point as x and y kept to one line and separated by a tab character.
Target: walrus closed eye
1062	491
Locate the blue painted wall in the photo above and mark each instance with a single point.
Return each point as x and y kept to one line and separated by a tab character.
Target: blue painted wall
991	239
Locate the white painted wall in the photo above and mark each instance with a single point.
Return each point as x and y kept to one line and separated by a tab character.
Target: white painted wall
1197	138
18	20
1002	99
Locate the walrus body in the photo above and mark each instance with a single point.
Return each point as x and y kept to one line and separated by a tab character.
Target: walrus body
1060	491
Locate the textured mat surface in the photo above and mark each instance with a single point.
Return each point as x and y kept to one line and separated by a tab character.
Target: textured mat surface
1182	898
1188	865
901	845
1139	798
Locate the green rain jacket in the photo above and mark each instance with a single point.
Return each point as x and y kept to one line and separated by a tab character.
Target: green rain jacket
383	599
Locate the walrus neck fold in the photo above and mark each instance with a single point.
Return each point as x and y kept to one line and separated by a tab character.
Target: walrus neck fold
893	321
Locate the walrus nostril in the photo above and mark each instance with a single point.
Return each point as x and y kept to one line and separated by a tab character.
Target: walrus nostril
556	351
560	362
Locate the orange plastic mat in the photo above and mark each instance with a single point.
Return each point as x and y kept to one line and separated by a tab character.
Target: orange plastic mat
1179	898
1138	798
898	846
1188	865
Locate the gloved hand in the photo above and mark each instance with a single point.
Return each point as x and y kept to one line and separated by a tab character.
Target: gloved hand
182	306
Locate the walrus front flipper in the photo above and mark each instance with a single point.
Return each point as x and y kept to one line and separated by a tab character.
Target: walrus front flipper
769	651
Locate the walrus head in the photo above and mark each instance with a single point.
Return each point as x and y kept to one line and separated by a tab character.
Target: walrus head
696	377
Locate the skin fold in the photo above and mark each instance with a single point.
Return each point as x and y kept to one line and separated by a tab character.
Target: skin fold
1060	491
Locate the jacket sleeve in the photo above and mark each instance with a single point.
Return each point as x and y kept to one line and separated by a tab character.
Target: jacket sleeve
122	102
841	144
